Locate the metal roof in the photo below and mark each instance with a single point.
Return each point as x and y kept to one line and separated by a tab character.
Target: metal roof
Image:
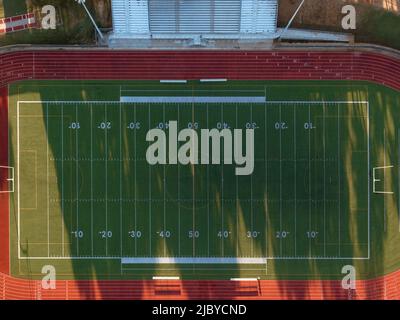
191	18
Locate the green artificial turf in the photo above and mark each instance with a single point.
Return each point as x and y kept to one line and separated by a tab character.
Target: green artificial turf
87	197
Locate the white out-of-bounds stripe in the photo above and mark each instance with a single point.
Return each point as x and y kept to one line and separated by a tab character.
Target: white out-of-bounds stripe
166	278
214	80
173	81
192	99
244	279
193	260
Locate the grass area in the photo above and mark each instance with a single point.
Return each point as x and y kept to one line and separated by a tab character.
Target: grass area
59	36
9	8
73	25
374	25
86	190
379	27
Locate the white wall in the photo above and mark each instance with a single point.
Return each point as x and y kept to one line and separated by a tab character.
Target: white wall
130	16
259	16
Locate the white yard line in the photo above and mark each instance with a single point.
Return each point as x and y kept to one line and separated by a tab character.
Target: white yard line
339	178
106	169
120	179
324	142
164	202
295	180
222	191
150	220
309	181
179	196
208	197
77	179
62	182
91	179
48	183
266	175
135	184
237	195
194	198
251	197
280	180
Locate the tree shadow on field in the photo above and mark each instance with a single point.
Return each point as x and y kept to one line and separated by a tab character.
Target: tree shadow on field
353	204
67	172
13	7
72	179
323	197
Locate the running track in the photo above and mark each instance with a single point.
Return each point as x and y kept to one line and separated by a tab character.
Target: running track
155	65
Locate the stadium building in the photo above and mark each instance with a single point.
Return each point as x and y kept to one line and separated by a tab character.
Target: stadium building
193	22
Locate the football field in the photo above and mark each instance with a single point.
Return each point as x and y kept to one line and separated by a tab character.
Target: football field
85	190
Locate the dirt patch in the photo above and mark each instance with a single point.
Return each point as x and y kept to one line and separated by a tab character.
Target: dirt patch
102	10
378	21
327	13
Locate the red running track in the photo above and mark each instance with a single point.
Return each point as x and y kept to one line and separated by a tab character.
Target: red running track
4	197
155	65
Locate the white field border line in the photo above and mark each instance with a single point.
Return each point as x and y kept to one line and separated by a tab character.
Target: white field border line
398	206
369	183
121	258
118	102
236	259
18	187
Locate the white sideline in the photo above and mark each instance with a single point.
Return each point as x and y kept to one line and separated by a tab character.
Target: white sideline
191	99
192	260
